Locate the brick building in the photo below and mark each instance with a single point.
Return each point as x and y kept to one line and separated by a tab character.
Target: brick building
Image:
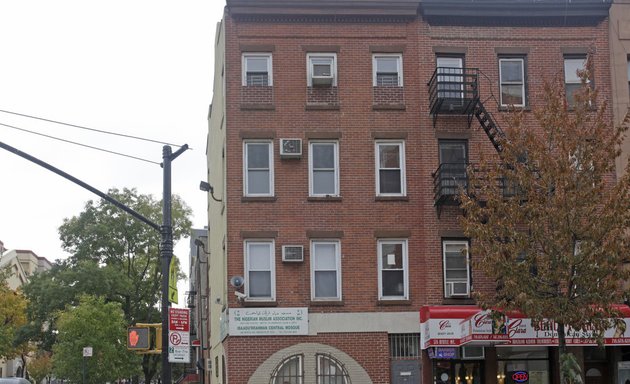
336	131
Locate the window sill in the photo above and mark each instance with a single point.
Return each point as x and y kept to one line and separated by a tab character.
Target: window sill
324	198
321	107
389	107
261	303
458	301
391	198
258	107
326	303
526	108
258	199
385	302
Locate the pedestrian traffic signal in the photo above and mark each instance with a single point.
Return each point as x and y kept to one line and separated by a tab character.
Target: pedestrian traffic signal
138	338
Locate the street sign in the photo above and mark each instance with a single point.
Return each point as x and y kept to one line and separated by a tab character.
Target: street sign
138	338
179	335
87	352
172	282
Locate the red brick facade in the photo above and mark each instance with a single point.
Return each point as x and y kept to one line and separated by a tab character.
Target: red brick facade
357	114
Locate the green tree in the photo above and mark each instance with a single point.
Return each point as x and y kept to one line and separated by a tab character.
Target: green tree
549	223
102	326
113	256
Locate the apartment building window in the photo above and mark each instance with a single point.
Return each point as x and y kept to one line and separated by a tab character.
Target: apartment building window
390	168
260	269
453	162
392	269
387	70
512	80
456	268
257	70
450	80
321	69
325	270
572	81
323	163
258	168
330	371
289	371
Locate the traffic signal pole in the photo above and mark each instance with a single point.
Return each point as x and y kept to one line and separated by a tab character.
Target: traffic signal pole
166	251
166	229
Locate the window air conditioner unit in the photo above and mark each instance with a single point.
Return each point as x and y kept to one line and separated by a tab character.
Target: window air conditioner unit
473	353
457	289
322	73
291	148
292	253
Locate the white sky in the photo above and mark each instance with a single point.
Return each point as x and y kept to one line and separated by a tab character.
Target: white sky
138	67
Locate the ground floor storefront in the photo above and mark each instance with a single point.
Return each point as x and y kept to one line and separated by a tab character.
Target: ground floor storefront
465	345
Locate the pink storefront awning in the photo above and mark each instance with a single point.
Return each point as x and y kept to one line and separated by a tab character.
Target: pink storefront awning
457	325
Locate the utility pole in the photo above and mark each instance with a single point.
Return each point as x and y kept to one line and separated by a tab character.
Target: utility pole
166	251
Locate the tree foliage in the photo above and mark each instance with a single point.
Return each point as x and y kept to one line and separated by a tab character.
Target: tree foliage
102	326
549	223
40	367
12	318
113	256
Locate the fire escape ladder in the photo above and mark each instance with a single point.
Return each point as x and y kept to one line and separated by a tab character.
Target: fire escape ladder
487	122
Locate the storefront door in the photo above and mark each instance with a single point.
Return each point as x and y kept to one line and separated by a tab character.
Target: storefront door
458	372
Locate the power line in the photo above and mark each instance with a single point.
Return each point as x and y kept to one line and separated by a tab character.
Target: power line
89	129
79	144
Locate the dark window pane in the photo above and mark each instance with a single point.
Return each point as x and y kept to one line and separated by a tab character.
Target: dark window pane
393	283
259	284
512	94
389	181
512	71
325	284
323	156
258	155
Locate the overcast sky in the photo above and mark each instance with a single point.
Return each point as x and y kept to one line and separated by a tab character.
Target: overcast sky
137	67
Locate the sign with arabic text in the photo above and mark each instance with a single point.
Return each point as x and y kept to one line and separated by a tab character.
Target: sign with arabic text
268	321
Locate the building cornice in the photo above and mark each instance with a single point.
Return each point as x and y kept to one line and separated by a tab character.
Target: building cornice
528	13
323	8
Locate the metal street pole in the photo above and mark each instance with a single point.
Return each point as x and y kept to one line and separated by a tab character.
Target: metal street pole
166	251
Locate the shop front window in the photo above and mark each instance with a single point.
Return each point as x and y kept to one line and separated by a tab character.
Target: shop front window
458	372
523	365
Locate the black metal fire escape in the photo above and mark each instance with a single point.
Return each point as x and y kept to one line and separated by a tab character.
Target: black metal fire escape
455	91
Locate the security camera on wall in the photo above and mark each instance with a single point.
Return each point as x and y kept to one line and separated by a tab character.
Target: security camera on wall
240	295
237	281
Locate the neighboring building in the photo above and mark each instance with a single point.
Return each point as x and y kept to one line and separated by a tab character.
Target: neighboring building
197	300
21	264
620	64
338	135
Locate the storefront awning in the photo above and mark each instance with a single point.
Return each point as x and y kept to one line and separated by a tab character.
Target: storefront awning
453	326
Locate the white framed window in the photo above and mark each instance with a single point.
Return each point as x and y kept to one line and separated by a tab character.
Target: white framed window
321	69
325	270
387	70
456	268
512	81
323	164
572	81
258	168
393	280
257	69
260	270
390	168
331	371
450	71
289	371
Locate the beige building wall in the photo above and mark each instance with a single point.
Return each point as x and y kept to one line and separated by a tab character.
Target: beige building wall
619	52
217	214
